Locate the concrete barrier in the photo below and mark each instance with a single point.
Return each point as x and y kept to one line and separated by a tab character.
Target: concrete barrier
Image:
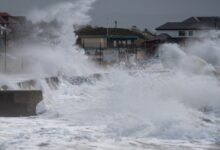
19	103
33	84
52	82
28	84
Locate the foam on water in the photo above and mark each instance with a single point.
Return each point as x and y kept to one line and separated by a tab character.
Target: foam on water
164	105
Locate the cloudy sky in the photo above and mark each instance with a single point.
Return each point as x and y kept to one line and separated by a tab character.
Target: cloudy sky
142	13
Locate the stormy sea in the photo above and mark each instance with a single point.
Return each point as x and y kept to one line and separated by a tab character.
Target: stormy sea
170	103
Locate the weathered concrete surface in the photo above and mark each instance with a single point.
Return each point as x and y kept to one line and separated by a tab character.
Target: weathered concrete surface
52	82
33	84
19	103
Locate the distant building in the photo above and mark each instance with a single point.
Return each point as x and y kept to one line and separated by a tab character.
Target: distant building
148	35
9	20
99	37
107	41
110	44
10	24
189	28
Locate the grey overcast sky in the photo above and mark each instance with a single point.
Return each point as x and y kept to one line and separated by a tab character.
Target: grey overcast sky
142	13
151	13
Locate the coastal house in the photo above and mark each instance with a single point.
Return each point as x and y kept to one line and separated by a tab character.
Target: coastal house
108	44
11	24
10	29
107	41
8	20
100	37
192	27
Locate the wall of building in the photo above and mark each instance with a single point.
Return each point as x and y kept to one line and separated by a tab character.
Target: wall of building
110	55
19	103
94	42
107	55
116	55
171	33
175	33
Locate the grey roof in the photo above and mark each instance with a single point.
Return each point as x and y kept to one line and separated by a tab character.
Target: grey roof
6	18
129	37
193	23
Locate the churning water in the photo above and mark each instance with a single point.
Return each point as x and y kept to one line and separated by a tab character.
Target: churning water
171	104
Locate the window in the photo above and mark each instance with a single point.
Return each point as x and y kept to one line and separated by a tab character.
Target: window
115	43
182	33
190	33
119	43
124	43
129	42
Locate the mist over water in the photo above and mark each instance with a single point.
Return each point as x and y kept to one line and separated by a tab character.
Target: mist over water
48	47
175	99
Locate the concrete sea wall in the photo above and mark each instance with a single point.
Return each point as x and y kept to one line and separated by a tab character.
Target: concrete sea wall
23	101
19	103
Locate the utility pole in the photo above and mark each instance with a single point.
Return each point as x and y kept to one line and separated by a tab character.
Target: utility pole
5	43
107	27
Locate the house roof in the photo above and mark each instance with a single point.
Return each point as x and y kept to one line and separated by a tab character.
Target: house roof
112	32
123	37
4	14
113	37
2	20
193	23
6	18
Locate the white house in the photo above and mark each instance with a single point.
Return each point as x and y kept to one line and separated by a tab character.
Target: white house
190	28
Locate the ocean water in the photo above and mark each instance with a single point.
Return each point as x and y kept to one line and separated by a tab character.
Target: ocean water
144	109
170	104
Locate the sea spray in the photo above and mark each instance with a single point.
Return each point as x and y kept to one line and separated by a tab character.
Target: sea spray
48	48
178	102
